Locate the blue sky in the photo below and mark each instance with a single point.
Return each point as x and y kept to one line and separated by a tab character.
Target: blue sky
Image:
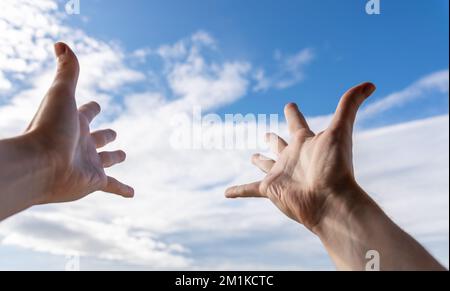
148	61
408	40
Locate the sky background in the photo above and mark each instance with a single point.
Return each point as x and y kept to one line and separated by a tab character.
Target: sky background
146	61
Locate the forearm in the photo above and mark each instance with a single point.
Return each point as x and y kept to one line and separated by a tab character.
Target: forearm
24	174
356	225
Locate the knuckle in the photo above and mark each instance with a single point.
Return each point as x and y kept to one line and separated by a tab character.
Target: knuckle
69	62
264	186
301	134
338	134
64	63
106	158
240	190
104	140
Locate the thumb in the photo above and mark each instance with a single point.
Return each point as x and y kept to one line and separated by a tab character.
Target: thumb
347	110
68	69
59	103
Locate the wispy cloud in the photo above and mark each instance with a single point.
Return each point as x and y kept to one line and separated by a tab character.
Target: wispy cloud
195	80
423	88
290	71
5	84
434	85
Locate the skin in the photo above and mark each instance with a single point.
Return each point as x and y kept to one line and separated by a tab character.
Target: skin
313	182
56	159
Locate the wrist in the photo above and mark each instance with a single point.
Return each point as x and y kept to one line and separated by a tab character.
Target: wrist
38	165
346	228
343	206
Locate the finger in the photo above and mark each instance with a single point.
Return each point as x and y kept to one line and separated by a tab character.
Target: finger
115	187
90	110
276	143
59	103
348	106
262	162
110	159
103	137
68	70
295	118
245	191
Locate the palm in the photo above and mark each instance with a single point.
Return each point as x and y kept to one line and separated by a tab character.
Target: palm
90	165
311	166
86	174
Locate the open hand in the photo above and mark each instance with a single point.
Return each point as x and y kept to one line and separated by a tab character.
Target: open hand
62	132
312	169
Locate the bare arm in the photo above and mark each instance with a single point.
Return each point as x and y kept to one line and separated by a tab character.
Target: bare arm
24	174
313	183
56	159
354	228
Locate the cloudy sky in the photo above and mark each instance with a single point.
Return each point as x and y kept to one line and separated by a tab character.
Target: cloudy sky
148	61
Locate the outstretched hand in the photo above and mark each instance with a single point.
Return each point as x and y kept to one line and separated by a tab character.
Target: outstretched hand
312	169
62	132
313	182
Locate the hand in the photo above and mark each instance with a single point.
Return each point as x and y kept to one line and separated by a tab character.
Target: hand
313	182
62	133
313	170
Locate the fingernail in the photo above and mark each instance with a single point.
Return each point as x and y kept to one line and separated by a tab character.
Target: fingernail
292	104
113	135
369	89
130	192
60	49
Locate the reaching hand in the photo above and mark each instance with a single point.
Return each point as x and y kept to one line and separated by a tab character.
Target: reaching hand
63	132
312	169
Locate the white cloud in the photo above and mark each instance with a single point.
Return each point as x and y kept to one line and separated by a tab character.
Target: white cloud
5	84
141	54
406	169
26	58
188	47
179	218
423	88
112	241
202	37
26	35
196	80
290	71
